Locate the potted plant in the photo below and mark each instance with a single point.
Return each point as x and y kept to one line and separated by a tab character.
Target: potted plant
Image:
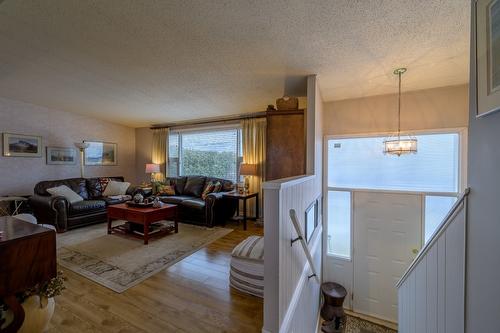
38	304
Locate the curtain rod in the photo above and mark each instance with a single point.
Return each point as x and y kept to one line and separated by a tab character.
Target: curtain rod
211	120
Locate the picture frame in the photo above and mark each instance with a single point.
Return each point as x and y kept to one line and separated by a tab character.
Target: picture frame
486	40
21	145
100	153
61	156
311	220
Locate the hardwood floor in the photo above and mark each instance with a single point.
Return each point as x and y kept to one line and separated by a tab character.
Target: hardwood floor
190	296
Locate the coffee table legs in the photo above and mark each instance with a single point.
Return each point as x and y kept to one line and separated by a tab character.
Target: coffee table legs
176	224
109	225
146	233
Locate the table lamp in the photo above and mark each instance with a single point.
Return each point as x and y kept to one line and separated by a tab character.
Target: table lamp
247	170
152	169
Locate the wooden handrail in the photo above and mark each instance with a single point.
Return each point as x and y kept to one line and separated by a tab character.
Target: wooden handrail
300	234
439	230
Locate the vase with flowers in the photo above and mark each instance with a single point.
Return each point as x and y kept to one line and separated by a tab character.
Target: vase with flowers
38	304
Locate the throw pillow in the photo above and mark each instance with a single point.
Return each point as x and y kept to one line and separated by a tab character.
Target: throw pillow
66	192
209	188
218	187
115	188
163	189
103	182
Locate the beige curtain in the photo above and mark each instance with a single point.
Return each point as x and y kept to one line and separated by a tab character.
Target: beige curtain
159	153
254	152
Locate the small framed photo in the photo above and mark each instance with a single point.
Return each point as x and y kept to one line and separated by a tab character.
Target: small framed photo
311	220
61	156
20	145
100	153
487	58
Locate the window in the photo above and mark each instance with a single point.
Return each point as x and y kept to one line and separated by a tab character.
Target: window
210	152
360	163
436	209
339	223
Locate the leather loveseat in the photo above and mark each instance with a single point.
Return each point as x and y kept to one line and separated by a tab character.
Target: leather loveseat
56	210
191	208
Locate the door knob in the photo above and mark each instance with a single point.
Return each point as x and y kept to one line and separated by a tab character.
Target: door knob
414	251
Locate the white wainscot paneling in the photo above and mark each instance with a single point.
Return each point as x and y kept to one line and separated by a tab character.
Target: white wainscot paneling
431	293
291	300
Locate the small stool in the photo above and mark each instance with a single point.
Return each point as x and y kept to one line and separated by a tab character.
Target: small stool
333	311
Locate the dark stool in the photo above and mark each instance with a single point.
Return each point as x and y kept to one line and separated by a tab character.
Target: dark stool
333	311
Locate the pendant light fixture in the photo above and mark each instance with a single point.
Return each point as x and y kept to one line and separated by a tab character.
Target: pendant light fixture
400	144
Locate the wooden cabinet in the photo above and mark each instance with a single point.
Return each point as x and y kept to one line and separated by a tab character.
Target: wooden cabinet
285	144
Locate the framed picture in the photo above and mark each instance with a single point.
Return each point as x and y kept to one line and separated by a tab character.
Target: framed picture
100	153
311	220
19	145
61	156
487	45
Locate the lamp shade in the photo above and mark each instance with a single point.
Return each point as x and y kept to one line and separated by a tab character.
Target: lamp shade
152	168
82	145
248	169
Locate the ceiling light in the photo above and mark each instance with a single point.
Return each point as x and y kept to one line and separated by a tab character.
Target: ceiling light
400	144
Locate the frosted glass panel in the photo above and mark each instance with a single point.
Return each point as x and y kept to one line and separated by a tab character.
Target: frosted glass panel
339	223
360	163
436	209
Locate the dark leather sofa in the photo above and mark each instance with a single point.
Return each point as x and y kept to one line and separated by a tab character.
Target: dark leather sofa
55	210
191	208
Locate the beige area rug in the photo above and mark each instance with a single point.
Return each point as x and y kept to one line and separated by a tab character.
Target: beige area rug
118	262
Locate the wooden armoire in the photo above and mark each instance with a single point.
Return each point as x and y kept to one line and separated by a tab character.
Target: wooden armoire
285	143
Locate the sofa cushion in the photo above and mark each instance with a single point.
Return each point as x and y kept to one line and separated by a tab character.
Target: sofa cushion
178	182
194	186
66	192
77	185
97	185
175	199
163	190
115	188
198	204
87	206
227	185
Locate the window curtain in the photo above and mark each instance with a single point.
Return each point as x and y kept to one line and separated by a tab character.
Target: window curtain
159	153
254	152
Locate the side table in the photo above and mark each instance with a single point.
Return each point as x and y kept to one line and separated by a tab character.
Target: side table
18	202
244	197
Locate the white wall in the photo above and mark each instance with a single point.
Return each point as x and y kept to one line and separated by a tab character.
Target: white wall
291	300
143	148
61	129
445	107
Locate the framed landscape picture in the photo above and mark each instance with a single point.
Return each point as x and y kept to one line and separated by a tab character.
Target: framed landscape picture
487	28
61	156
100	153
20	145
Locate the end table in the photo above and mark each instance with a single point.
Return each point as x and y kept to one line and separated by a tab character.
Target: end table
244	197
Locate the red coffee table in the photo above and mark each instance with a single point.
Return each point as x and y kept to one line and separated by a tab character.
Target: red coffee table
142	216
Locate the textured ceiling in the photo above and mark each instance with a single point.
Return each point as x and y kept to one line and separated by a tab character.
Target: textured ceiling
143	62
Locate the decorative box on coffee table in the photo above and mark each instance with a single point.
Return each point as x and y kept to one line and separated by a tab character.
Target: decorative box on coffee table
143	217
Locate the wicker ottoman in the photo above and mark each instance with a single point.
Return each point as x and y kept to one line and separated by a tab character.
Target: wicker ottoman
247	266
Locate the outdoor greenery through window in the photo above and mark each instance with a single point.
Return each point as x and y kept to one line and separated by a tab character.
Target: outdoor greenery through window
209	152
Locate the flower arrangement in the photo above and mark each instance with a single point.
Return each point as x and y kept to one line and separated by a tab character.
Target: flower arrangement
48	289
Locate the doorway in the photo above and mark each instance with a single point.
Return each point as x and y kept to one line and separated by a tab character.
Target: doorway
382	209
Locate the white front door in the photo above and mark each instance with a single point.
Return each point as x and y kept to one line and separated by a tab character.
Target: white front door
387	229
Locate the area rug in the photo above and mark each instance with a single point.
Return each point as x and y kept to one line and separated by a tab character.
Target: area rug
119	262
